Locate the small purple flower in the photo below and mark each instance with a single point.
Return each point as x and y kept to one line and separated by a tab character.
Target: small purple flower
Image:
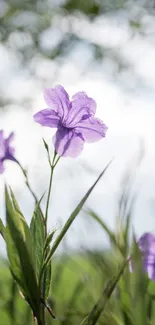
74	120
146	245
6	150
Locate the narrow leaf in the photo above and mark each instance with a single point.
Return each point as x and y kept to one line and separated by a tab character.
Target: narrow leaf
38	238
2	229
14	201
46	145
48	280
49	239
19	257
99	307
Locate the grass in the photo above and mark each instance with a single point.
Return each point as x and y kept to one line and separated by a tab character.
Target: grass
74	278
78	282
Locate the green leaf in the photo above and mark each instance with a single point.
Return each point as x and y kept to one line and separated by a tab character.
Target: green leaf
48	272
14	261
46	145
41	248
20	221
49	239
100	305
37	229
22	269
126	300
15	204
139	287
2	229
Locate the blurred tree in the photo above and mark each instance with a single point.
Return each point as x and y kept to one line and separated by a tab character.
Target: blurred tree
39	32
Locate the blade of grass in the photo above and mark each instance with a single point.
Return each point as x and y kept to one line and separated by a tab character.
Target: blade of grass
104	226
99	307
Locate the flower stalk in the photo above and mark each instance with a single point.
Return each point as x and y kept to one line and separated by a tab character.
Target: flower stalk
52	166
43	303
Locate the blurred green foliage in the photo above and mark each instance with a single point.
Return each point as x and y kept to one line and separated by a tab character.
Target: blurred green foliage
77	283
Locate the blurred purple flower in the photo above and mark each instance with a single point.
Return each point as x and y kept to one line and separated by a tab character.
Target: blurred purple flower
6	150
146	245
74	120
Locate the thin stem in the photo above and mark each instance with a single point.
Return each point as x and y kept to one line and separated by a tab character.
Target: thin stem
40	322
56	162
43	321
49	193
52	165
27	182
48	308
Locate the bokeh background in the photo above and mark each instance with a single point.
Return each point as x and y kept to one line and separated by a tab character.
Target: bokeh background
106	48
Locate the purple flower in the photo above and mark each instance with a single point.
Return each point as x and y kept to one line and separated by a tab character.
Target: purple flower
146	245
6	150
74	120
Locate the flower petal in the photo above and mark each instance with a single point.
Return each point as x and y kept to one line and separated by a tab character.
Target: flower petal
82	108
6	150
92	129
68	142
47	117
146	243
9	150
1	167
149	265
2	144
58	99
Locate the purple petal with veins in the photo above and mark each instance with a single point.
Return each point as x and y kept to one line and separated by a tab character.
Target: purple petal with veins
74	120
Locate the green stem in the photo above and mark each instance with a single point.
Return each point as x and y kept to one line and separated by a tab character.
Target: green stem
27	182
52	165
40	322
49	193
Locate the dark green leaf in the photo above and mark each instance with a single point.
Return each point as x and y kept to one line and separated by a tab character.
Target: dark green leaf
38	238
20	259
14	261
139	287
14	201
48	240
48	280
2	229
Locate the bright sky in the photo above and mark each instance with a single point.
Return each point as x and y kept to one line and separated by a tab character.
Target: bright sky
130	116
